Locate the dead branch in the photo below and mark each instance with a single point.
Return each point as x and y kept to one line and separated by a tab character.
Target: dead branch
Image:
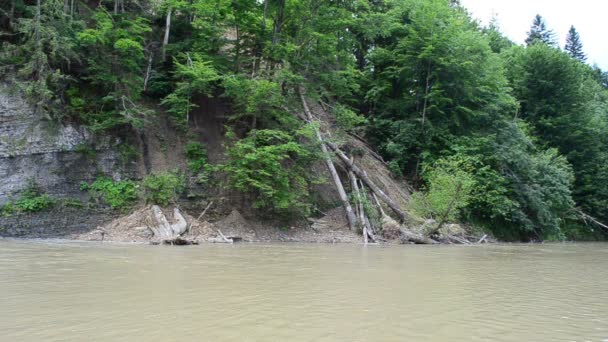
352	220
361	174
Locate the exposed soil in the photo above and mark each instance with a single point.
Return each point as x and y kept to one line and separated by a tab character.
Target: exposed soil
332	228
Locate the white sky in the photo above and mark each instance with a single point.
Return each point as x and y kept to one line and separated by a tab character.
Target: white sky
515	18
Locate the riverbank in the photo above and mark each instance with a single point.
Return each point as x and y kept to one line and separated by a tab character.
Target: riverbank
137	227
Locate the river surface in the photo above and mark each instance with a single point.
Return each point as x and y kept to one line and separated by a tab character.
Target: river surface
67	291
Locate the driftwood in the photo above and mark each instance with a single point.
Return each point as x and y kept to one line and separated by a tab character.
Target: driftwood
221	238
164	231
409	236
483	239
350	215
375	189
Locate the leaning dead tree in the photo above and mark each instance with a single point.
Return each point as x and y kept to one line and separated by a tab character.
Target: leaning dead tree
588	218
350	215
373	187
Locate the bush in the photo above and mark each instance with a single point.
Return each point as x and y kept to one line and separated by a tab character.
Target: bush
197	162
32	200
34	204
449	187
116	194
274	167
347	119
163	188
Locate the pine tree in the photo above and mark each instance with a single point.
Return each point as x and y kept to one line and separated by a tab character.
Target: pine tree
574	46
539	33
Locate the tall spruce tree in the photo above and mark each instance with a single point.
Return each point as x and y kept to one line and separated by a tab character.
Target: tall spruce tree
539	33
574	46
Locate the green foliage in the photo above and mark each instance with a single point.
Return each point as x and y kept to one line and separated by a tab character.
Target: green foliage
32	200
44	49
260	100
114	55
449	188
86	150
7	209
117	194
195	77
197	161
163	188
128	152
347	118
443	100
272	166
574	46
34	203
539	33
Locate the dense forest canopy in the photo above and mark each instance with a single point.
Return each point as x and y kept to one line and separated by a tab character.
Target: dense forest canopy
515	137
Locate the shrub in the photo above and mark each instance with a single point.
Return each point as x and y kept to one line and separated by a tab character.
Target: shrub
118	194
7	210
163	188
34	204
273	166
449	187
347	119
197	161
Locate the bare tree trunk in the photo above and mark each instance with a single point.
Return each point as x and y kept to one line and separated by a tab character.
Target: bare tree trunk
278	25
148	70
37	28
167	30
361	174
265	15
350	215
115	6
366	230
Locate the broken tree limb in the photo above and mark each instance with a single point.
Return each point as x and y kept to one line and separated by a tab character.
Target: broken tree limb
593	220
350	215
227	240
375	189
204	211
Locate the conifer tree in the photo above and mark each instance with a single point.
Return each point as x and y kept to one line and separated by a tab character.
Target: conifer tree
539	33
574	46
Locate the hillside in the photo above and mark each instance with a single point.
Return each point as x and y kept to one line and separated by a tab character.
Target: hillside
285	113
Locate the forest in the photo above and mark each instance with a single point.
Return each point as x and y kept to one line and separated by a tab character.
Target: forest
511	139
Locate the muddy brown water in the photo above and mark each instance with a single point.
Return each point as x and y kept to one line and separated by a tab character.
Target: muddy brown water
67	291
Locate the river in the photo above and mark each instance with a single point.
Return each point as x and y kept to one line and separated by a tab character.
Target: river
69	291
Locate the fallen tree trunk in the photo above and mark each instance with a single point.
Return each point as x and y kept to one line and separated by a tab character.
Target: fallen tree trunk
163	230
361	174
350	215
409	236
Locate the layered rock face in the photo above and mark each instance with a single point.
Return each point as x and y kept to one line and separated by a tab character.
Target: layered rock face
57	158
35	150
